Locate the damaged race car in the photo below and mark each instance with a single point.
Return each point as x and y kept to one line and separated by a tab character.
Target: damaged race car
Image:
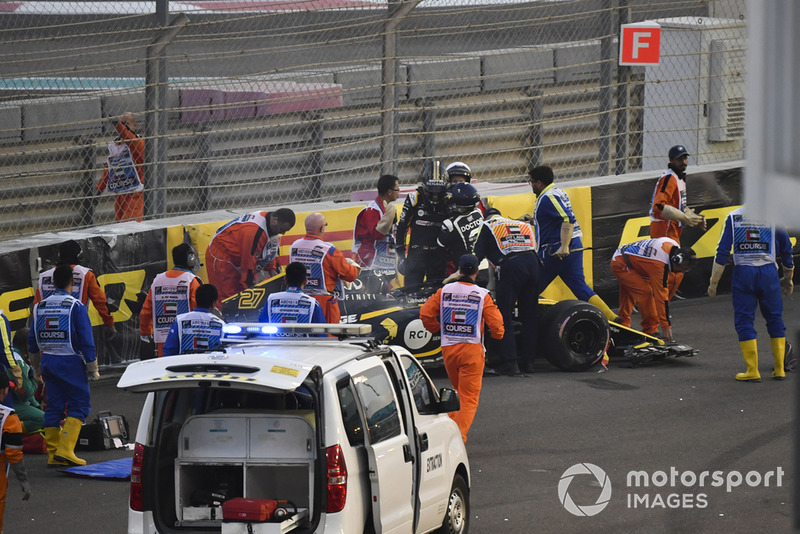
573	335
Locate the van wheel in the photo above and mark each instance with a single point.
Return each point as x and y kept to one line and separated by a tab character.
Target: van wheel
456	518
573	335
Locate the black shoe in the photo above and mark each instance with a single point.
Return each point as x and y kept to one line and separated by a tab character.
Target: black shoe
527	368
509	370
488	371
789	359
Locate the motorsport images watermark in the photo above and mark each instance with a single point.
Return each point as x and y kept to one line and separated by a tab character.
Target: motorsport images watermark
661	489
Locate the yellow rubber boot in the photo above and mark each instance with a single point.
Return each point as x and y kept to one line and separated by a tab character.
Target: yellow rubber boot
52	435
750	354
778	352
603	307
66	444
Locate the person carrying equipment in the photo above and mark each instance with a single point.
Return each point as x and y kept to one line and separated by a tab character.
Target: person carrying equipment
669	211
558	236
123	174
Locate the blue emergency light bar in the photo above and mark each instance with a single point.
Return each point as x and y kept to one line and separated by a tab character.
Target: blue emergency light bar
234	332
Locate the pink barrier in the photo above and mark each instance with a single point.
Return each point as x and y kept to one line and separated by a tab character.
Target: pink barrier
202	105
242	101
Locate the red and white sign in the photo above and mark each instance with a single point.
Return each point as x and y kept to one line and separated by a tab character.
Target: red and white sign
639	43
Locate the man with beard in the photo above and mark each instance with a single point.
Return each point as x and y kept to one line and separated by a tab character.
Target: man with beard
668	208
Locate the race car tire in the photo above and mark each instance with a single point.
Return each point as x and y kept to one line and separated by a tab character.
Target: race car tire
573	335
456	517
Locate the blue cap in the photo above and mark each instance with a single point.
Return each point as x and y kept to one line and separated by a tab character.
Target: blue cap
678	151
468	264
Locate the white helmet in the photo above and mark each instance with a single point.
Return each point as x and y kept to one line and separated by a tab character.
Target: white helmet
458	168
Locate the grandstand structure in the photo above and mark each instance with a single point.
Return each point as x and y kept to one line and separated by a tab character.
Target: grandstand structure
258	103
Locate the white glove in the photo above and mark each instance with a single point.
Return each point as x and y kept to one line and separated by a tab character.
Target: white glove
452	278
91	370
693	219
387	220
354	263
716	274
17	372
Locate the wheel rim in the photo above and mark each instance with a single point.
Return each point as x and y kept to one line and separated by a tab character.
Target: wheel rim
455	512
584	337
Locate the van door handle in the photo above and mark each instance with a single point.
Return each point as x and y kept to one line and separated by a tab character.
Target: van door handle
407	453
423	442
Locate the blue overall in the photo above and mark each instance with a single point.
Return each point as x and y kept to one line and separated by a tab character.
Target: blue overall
755	280
61	327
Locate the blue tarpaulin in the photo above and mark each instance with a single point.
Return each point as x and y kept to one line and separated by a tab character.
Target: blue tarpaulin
113	469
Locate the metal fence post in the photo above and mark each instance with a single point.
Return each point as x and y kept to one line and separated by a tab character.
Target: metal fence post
390	68
203	168
316	157
535	138
88	156
606	91
428	128
623	79
155	124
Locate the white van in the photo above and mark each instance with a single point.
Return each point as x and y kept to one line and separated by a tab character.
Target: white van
339	435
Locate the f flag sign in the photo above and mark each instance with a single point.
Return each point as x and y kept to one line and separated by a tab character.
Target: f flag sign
639	43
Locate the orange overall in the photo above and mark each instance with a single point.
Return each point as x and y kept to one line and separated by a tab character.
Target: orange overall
233	254
644	281
11	453
669	191
128	206
334	268
464	361
146	315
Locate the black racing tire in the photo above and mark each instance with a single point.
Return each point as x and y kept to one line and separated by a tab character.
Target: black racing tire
573	335
456	518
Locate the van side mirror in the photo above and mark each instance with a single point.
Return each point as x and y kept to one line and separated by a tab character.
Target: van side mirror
448	400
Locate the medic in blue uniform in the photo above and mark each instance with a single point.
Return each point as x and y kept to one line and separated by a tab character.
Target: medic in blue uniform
755	282
198	330
292	305
62	331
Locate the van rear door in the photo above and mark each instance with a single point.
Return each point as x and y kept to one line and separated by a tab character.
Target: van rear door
245	371
390	462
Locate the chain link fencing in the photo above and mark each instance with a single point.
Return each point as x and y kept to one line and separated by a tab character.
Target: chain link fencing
253	104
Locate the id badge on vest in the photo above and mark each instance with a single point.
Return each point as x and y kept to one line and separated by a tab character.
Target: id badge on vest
122	175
